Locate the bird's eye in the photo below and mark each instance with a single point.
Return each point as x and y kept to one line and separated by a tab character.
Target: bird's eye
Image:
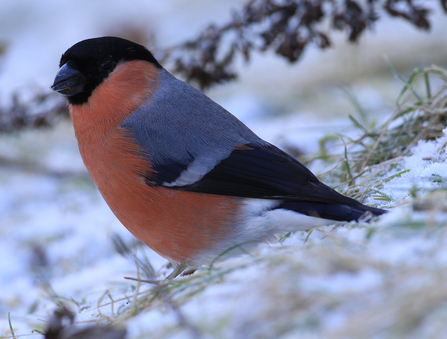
106	65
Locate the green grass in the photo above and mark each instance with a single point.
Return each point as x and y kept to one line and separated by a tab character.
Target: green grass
420	114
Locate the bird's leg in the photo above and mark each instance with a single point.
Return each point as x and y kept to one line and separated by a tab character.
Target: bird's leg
177	271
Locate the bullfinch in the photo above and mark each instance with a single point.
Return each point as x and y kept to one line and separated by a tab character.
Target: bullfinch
185	176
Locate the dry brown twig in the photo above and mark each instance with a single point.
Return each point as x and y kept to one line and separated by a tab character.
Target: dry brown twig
43	110
285	26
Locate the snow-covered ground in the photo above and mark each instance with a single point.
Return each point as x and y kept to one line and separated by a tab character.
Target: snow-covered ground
385	279
56	228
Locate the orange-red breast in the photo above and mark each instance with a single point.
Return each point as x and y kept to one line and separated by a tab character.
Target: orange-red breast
185	176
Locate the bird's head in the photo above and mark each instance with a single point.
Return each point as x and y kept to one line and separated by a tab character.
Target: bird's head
85	65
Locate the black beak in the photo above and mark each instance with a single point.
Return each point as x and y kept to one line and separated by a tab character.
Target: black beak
68	81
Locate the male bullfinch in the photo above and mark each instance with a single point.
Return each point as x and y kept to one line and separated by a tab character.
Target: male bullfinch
185	176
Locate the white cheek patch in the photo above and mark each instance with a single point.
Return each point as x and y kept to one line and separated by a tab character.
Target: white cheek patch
194	172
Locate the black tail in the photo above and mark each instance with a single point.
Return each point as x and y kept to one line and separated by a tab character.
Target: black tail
337	212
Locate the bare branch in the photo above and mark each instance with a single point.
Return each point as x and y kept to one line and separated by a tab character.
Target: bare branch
286	27
44	110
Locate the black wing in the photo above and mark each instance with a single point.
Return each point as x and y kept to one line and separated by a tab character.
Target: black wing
251	171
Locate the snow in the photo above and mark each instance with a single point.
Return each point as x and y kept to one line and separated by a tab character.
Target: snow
356	280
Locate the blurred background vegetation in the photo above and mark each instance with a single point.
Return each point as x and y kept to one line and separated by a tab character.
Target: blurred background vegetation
236	34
